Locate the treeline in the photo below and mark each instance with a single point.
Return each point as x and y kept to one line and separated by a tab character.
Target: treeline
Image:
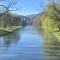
50	12
9	19
49	21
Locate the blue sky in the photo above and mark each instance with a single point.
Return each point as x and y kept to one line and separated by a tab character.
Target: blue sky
29	7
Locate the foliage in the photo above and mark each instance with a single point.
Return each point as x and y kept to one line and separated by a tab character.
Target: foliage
50	23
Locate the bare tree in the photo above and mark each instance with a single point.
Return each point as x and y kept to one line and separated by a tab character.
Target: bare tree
6	7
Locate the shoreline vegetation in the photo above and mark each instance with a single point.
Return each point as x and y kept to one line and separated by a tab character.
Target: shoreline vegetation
50	28
13	28
49	22
11	22
5	31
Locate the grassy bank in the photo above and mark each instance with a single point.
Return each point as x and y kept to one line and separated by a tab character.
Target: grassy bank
50	28
5	31
9	29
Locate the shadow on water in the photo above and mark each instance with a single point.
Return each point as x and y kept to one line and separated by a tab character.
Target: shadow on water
3	33
10	38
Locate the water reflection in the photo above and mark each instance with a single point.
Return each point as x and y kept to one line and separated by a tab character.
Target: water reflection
52	47
29	45
10	38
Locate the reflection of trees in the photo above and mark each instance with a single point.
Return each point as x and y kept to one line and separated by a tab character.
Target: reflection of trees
12	37
52	46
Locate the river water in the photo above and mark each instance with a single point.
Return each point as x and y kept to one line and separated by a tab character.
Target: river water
24	44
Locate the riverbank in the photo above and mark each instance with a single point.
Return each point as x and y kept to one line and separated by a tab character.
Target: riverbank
8	29
5	31
49	26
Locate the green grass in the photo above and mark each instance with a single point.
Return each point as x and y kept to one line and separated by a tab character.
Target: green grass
9	29
50	27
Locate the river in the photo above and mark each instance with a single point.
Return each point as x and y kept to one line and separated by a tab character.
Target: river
24	44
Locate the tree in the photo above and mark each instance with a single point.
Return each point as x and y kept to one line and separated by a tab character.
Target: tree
5	7
55	14
53	11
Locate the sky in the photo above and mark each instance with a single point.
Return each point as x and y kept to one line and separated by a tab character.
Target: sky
29	7
25	7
